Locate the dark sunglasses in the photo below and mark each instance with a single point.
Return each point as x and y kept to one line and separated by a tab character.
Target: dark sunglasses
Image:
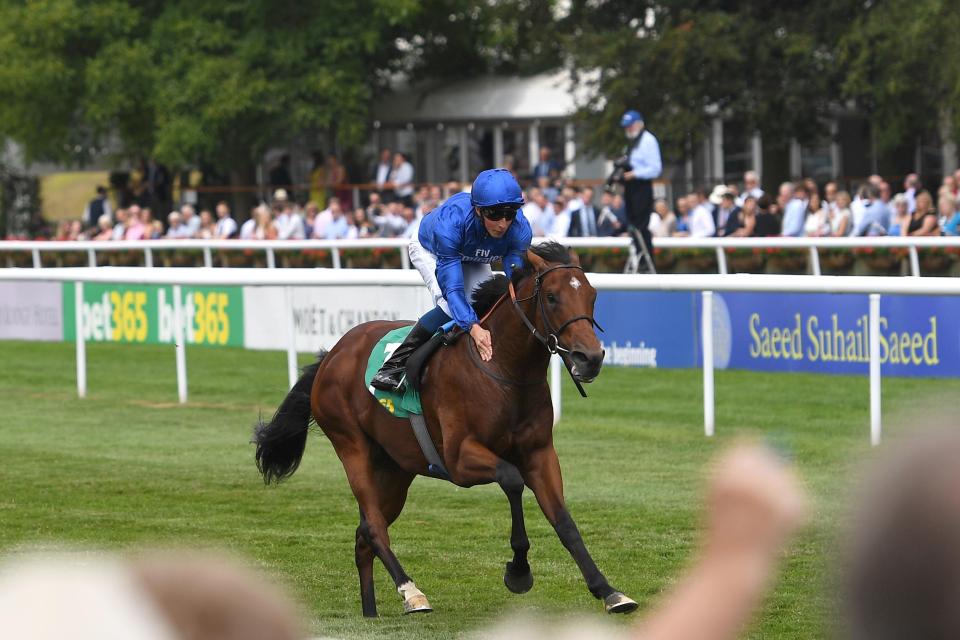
495	214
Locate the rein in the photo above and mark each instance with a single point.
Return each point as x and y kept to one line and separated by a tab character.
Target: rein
551	341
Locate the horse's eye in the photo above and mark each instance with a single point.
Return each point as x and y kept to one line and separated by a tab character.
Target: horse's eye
551	298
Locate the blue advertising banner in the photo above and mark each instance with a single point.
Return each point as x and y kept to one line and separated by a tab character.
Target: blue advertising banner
824	333
649	328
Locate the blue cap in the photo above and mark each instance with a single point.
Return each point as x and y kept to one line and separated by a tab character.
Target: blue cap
630	117
495	186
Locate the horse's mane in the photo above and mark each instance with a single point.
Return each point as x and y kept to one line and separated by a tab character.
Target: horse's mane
487	294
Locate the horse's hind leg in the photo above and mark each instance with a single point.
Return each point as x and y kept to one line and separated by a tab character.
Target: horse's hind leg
364	557
380	487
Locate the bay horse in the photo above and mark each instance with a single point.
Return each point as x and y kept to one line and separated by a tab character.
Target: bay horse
508	441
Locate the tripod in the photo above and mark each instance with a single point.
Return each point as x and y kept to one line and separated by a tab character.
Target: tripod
639	254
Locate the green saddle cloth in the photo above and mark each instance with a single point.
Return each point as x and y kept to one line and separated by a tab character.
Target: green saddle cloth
399	404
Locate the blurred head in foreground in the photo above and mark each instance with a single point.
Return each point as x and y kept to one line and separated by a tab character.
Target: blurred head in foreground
161	596
903	578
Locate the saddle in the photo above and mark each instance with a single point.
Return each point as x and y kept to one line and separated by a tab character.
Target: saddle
407	404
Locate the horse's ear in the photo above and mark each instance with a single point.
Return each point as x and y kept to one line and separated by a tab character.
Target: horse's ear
574	258
538	263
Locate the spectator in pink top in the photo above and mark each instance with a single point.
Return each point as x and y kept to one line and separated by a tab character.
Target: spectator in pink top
135	230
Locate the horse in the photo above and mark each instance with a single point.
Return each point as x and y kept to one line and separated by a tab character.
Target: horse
547	307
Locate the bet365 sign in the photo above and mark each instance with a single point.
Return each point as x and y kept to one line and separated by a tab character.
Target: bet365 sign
211	316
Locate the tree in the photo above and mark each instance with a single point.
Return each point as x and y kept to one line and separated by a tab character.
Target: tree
769	66
903	68
217	81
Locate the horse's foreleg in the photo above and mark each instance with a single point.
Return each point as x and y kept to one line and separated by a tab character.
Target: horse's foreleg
474	464
517	576
542	474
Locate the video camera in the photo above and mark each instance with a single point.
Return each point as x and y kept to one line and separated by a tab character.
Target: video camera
620	166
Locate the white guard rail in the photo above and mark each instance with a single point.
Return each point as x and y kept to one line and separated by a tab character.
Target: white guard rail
271	247
873	286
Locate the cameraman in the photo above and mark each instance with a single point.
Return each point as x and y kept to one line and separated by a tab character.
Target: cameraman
643	157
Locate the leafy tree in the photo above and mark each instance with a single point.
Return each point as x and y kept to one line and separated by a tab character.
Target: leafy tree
769	66
903	67
217	81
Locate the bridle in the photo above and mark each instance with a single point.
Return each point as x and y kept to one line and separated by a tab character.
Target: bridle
551	341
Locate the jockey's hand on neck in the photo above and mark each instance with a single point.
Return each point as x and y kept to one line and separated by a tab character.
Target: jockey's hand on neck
481	337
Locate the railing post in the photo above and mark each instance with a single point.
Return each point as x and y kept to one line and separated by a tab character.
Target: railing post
356	197
914	261
815	261
80	339
180	345
404	257
706	327
721	261
148	257
271	259
36	258
91	258
207	257
291	337
335	254
875	423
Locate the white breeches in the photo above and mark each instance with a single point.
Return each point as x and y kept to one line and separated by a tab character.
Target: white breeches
426	263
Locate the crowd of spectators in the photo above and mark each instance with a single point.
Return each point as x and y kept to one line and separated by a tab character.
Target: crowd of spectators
804	209
554	207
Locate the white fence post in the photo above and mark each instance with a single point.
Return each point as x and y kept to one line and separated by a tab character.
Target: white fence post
721	261
875	424
291	337
81	339
815	261
707	338
180	345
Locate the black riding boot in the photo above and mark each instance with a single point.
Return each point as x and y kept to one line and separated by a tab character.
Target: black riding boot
390	376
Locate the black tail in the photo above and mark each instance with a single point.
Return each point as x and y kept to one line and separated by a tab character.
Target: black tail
281	442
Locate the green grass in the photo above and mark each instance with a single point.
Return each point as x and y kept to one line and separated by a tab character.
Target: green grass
129	468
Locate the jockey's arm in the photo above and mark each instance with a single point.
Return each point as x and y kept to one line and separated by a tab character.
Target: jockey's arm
450	279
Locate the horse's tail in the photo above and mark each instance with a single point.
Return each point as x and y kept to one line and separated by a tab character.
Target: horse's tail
281	442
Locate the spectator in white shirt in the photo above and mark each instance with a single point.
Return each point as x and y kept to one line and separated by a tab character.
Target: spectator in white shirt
325	217
751	187
226	225
175	230
248	228
701	218
338	227
401	179
288	222
557	225
120	228
191	221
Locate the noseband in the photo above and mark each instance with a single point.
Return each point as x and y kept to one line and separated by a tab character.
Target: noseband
551	341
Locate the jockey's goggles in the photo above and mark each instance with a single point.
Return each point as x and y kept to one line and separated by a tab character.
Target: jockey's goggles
499	212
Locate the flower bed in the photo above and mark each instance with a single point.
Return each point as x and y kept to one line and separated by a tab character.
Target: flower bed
745	260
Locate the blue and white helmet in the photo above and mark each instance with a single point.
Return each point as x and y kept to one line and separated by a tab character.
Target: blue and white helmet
496	187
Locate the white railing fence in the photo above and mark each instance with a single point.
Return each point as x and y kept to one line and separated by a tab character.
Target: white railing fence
270	248
707	284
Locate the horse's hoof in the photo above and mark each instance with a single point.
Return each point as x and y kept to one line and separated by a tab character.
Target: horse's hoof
517	582
416	604
616	602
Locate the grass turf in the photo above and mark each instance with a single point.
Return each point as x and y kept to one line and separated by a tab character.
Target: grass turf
129	468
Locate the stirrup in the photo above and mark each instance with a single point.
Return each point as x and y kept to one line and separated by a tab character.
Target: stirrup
386	382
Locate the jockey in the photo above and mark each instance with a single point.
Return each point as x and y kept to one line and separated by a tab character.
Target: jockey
452	251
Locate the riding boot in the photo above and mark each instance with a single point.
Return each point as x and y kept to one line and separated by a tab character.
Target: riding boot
390	376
